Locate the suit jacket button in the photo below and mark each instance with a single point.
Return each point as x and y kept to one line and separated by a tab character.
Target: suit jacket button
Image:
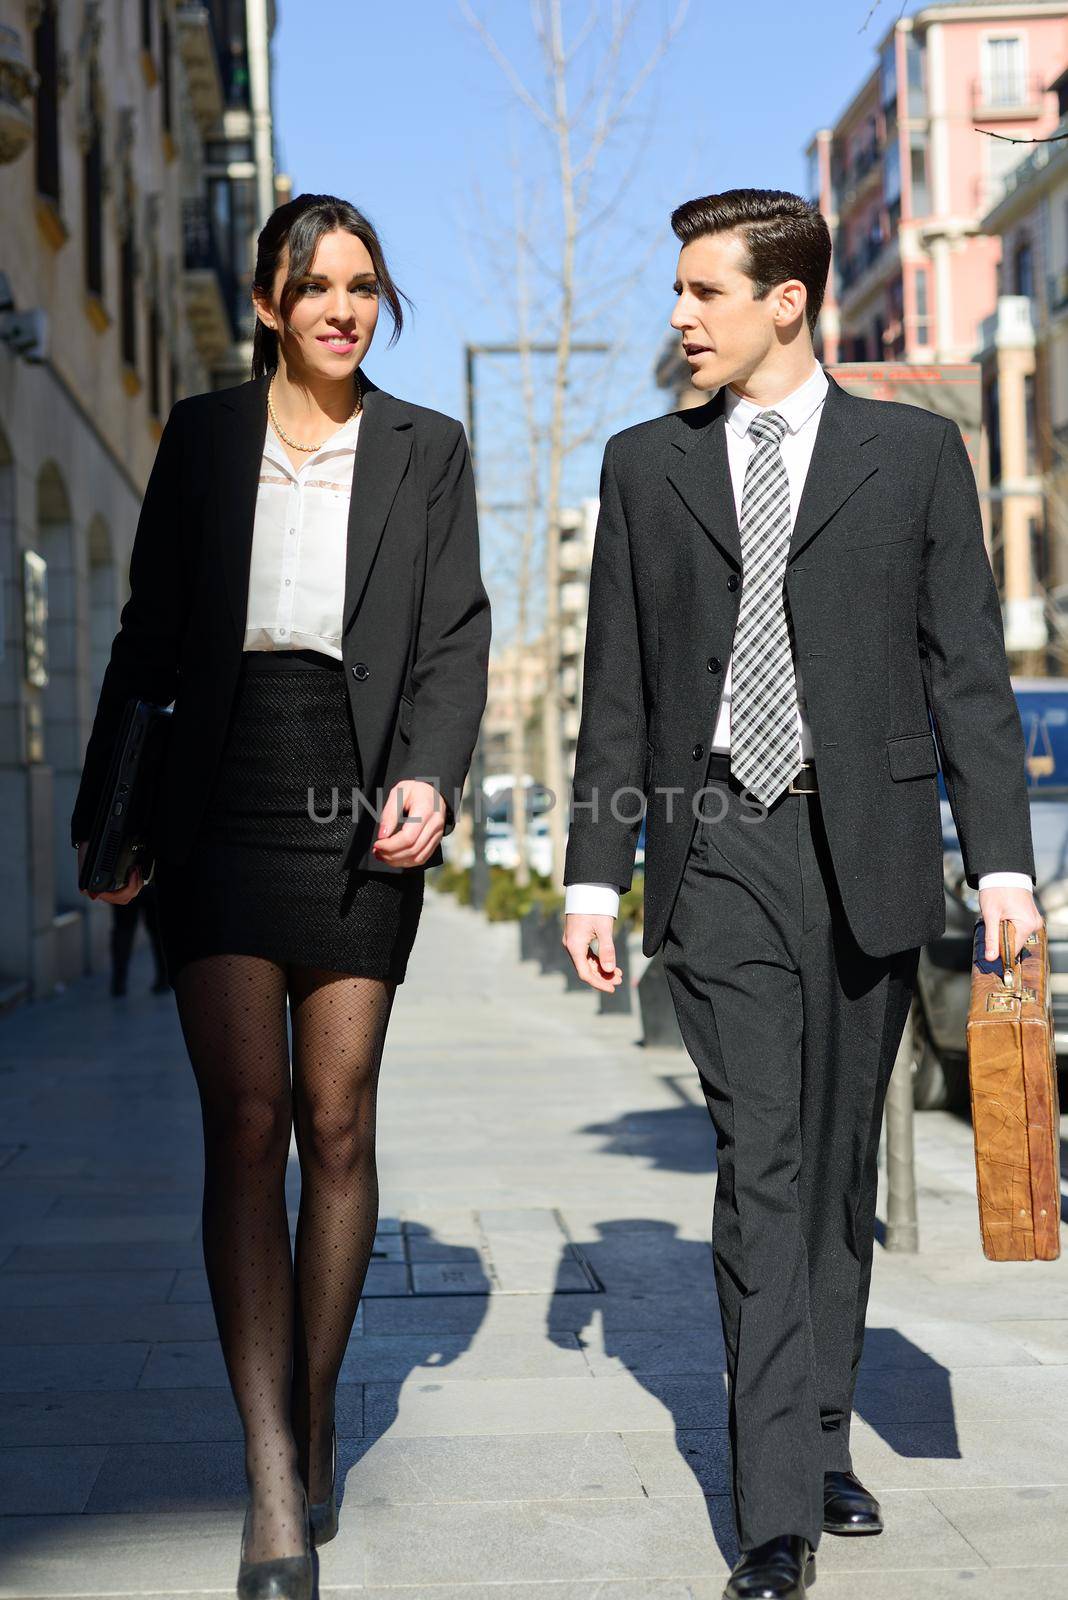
361	670
698	751
714	664
733	581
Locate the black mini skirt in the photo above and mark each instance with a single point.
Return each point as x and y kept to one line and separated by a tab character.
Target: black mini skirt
264	877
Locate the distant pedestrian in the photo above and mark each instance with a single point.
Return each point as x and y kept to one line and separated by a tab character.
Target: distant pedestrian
124	919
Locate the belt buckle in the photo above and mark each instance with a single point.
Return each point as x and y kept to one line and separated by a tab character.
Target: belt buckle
811	767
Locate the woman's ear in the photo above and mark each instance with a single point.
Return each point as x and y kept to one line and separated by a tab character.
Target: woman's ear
265	314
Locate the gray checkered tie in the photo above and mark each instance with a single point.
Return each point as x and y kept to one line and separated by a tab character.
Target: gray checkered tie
765	747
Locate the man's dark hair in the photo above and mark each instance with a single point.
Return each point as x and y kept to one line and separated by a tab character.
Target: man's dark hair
785	237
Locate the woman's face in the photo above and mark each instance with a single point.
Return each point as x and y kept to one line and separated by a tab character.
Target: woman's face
332	321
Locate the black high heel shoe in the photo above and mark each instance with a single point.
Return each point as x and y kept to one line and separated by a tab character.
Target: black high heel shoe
282	1577
323	1513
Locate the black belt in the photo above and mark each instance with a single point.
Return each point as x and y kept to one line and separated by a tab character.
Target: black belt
719	766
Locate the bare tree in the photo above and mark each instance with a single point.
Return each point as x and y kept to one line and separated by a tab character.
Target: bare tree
584	106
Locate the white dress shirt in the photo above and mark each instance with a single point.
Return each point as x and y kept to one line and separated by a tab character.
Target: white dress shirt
296	587
801	411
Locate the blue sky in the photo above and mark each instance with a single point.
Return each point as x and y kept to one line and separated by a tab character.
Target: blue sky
401	110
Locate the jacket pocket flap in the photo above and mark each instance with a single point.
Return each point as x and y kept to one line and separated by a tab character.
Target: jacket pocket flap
914	756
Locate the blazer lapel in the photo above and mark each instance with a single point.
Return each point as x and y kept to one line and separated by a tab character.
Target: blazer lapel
700	470
383	447
838	466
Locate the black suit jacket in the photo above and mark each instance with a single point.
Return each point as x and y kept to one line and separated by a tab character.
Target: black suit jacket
893	614
416	620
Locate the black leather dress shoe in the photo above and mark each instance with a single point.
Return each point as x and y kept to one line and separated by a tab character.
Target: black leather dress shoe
847	1505
280	1578
322	1514
778	1569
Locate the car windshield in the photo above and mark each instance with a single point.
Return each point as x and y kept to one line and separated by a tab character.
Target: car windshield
1044	718
537	802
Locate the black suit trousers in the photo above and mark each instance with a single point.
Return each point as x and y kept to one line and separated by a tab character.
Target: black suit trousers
794	1030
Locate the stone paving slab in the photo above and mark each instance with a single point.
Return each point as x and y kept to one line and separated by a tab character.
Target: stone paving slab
510	1428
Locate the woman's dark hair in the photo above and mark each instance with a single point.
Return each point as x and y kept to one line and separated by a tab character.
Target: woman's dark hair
298	226
785	237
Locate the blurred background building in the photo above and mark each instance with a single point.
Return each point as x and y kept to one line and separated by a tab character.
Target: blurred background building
136	167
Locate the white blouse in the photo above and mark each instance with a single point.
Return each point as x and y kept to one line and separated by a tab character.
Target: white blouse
296	586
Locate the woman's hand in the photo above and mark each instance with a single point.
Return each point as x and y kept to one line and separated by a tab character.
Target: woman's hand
116	897
411	825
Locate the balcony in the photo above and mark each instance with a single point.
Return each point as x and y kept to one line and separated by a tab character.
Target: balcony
1008	97
857	178
574	556
574	598
207	284
1011	327
852	268
200	58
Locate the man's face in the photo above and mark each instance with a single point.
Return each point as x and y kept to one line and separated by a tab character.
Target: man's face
726	333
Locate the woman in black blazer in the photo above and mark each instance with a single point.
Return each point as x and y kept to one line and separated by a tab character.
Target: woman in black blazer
305	587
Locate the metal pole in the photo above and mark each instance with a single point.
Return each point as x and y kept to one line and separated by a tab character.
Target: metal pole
479	866
902	1230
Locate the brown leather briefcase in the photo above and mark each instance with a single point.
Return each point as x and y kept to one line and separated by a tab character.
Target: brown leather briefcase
1012	1071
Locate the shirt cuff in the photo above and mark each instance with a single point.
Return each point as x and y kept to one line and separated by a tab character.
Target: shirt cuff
1006	880
599	899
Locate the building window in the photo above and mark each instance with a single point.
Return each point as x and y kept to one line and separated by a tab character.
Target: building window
1023	273
147	8
915	66
888	72
128	288
923	325
921	199
93	183
230	28
1040	566
1030	424
813	180
992	418
1002	159
233	227
46	65
1003	71
155	373
166	68
892	172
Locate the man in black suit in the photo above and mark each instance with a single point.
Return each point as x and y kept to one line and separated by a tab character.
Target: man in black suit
788	584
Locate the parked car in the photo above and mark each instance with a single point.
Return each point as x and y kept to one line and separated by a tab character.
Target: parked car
940	1009
501	848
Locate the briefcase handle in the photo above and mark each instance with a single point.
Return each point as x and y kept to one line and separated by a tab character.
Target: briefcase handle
1007	938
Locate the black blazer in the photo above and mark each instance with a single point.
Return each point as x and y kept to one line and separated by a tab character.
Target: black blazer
894	614
416	624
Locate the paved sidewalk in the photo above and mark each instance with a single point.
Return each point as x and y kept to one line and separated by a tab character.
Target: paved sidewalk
533	1403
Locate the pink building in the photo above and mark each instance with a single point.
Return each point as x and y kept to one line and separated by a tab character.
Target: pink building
907	173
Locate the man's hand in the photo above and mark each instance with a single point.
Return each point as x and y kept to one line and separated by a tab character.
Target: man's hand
411	825
1017	904
600	970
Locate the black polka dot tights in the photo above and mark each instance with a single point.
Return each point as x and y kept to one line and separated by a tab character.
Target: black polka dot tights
284	1318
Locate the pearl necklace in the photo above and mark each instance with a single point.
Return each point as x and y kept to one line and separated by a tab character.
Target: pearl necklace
295	442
